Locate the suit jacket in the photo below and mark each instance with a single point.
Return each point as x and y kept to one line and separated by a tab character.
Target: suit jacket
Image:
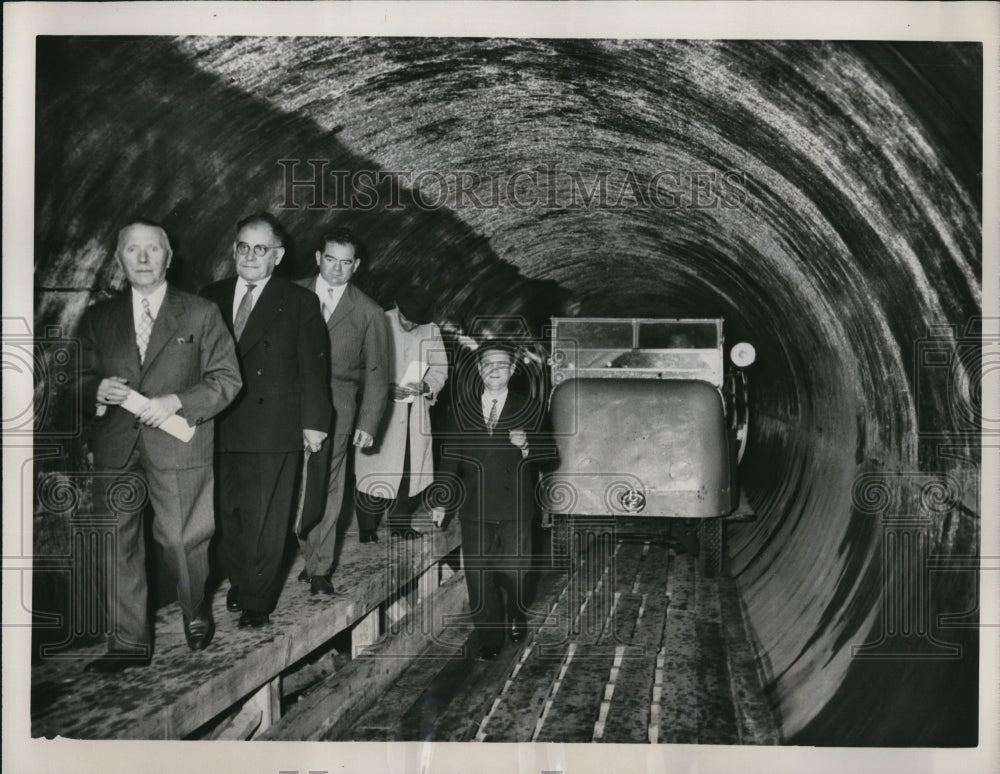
497	481
283	355
359	359
190	353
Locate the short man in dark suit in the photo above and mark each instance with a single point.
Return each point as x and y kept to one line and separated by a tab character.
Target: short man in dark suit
359	384
172	348
284	406
492	442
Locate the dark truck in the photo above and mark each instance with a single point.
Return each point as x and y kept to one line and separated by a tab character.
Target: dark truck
651	424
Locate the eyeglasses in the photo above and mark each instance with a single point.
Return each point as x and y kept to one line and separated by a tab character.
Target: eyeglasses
242	248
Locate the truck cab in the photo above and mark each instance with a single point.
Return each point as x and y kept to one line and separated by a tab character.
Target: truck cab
650	423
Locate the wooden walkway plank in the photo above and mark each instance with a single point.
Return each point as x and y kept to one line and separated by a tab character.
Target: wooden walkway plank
523	702
716	714
462	694
675	692
628	715
756	722
181	691
575	707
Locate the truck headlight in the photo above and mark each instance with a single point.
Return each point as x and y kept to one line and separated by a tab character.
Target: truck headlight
743	354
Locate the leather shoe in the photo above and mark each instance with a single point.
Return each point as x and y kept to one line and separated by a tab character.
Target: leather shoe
304	576
199	630
253	619
518	628
368	537
233	600
111	663
320	584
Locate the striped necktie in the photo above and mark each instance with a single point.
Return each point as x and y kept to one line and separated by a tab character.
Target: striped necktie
243	313
492	421
144	330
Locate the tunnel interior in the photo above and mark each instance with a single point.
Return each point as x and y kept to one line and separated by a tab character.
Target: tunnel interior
823	198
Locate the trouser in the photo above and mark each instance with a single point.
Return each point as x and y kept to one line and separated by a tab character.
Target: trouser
183	525
496	556
370	507
318	545
255	497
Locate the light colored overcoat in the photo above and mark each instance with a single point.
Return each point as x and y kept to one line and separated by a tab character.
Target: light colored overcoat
379	468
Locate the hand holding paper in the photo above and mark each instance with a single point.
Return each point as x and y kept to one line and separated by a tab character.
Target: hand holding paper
405	392
139	404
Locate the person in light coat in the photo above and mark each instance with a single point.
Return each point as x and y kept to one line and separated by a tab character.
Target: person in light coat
395	470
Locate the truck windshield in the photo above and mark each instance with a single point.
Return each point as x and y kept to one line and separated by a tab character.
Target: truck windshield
670	334
592	334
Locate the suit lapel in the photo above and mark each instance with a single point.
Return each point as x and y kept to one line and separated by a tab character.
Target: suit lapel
225	303
124	339
270	303
511	410
167	321
343	309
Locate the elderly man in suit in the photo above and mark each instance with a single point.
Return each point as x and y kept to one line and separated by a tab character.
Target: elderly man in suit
492	442
172	348
358	383
396	469
283	348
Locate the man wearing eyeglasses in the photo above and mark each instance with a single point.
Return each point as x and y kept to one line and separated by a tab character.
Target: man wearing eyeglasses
282	345
359	385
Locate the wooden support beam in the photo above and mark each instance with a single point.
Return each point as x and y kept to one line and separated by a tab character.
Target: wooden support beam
333	706
182	691
241	726
365	632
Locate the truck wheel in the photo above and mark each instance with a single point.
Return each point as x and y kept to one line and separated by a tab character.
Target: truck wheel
711	547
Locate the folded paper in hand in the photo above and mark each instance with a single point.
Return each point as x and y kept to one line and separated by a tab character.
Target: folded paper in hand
173	425
414	373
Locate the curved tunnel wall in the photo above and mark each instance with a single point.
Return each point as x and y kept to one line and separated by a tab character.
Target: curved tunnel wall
823	198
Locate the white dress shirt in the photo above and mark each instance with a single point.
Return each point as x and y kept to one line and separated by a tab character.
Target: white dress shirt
241	290
328	300
488	399
155	302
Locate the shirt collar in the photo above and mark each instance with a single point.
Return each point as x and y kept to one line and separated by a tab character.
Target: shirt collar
323	288
258	286
488	399
155	300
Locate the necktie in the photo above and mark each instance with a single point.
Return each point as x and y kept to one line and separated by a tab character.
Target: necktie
328	306
243	313
492	421
144	330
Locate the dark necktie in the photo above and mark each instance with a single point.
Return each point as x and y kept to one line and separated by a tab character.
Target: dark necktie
492	421
243	313
144	330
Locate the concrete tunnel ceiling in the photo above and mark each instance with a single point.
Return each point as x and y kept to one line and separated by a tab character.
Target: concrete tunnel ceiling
824	198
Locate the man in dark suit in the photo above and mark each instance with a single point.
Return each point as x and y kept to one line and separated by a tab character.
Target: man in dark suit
359	384
284	406
492	441
172	348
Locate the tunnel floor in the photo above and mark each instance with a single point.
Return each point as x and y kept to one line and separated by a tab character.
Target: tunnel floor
630	645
